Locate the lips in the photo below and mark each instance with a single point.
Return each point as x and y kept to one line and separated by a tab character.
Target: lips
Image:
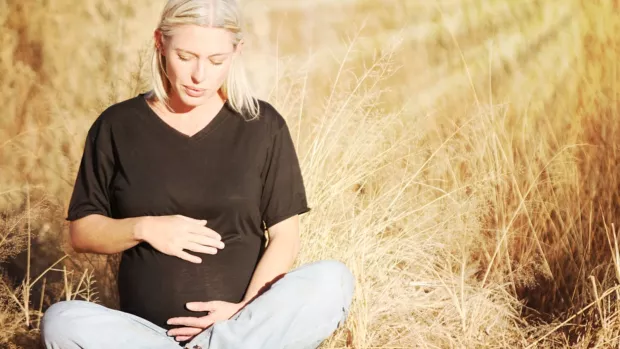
194	92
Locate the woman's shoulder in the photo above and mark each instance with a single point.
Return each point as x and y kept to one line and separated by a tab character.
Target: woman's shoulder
118	111
270	117
117	114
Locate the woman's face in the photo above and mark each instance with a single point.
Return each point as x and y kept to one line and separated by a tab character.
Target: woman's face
197	63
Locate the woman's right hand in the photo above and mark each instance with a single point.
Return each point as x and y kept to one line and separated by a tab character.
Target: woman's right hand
174	234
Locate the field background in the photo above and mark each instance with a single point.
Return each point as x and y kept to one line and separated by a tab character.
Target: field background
461	157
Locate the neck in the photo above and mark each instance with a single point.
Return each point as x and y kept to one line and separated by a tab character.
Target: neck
177	107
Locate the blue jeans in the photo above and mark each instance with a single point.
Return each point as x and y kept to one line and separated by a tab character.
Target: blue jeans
299	311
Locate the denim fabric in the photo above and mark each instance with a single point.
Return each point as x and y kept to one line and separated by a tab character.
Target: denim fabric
299	311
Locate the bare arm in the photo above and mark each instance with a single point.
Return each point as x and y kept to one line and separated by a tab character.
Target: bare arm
279	256
100	234
169	234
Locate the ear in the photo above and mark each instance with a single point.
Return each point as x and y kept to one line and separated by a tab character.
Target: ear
159	42
239	48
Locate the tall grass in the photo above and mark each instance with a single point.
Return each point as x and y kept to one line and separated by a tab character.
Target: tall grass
460	157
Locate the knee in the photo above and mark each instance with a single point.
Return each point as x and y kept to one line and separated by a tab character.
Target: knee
332	277
58	319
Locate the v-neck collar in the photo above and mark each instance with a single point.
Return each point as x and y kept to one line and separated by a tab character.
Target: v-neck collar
212	125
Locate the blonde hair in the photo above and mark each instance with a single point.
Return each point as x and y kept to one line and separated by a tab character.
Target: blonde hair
223	14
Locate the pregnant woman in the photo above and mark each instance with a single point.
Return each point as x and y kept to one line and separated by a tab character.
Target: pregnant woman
184	181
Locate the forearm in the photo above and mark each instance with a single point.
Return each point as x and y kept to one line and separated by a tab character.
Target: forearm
277	259
104	235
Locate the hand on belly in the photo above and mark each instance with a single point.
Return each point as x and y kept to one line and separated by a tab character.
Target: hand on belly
191	326
173	234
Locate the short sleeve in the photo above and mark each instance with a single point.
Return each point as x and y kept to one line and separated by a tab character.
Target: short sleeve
91	189
283	194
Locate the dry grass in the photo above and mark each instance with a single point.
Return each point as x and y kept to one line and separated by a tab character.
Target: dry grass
460	156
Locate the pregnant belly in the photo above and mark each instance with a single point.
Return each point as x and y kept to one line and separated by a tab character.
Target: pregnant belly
156	287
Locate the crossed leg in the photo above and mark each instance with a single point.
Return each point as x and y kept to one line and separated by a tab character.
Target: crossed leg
299	311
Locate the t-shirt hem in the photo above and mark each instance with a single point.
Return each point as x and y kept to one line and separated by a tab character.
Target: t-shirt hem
81	214
285	216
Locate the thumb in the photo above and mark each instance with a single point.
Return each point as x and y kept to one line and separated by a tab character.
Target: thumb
201	306
193	220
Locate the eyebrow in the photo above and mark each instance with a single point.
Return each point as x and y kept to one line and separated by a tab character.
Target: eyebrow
210	56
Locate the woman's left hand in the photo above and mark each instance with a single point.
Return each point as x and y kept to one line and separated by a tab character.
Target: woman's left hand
218	310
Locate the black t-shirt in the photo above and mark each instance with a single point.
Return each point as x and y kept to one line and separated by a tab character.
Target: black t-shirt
241	176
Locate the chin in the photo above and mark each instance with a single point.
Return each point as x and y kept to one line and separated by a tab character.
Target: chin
192	101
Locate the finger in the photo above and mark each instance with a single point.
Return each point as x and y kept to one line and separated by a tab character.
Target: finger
192	246
203	230
193	220
184	331
182	338
202	306
207	321
188	257
186	321
206	241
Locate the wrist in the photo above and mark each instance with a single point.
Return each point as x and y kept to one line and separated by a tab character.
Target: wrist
140	229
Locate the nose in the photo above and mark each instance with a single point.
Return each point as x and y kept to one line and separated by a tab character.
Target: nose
199	73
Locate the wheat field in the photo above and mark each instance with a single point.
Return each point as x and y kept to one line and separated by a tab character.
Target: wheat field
460	156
